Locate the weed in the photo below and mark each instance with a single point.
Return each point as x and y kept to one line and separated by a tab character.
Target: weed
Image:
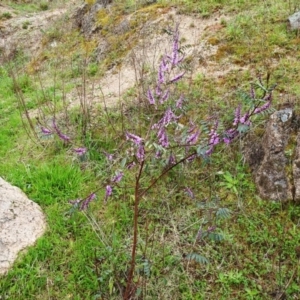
26	24
44	6
6	15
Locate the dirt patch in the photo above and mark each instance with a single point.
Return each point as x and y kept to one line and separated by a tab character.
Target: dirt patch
151	46
24	31
27	30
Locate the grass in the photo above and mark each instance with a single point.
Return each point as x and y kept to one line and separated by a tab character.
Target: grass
252	255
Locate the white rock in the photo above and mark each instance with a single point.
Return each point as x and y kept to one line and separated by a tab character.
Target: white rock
294	21
21	223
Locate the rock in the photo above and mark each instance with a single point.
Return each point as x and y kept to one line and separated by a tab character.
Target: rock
85	17
294	21
268	161
296	170
21	223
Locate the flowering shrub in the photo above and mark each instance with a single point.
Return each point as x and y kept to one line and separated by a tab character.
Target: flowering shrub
165	142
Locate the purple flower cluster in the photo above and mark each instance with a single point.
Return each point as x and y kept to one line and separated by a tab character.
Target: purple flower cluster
245	119
168	63
214	139
118	177
46	131
55	130
138	141
108	192
193	137
83	203
184	138
80	151
161	125
61	135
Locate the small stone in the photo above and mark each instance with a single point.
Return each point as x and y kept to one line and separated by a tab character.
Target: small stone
294	21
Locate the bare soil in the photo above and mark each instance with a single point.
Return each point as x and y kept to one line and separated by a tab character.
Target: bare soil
26	30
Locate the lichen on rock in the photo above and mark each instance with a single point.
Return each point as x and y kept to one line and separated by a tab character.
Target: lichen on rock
276	175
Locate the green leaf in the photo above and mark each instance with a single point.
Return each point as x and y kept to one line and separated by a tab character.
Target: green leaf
198	258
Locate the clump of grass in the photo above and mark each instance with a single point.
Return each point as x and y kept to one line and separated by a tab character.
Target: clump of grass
5	16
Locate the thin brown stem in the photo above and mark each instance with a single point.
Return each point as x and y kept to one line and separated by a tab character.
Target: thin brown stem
137	197
164	173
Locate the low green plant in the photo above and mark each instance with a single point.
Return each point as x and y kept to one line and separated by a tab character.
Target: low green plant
44	6
6	15
26	24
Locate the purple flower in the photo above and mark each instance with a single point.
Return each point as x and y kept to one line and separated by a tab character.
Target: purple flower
268	97
214	138
245	119
189	192
140	154
85	203
193	138
179	102
46	131
165	97
162	137
164	65
109	156
175	47
133	138
158	90
230	135
108	192
191	158
192	127
150	97
118	177
237	116
175	53
168	117
161	77
172	159
210	150
80	151
62	136
130	165
158	154
177	77
262	108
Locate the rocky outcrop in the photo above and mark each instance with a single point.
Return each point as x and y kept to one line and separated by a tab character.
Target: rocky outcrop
21	223
85	17
296	170
275	158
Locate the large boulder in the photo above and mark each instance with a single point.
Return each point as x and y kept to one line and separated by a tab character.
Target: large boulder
21	223
275	158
